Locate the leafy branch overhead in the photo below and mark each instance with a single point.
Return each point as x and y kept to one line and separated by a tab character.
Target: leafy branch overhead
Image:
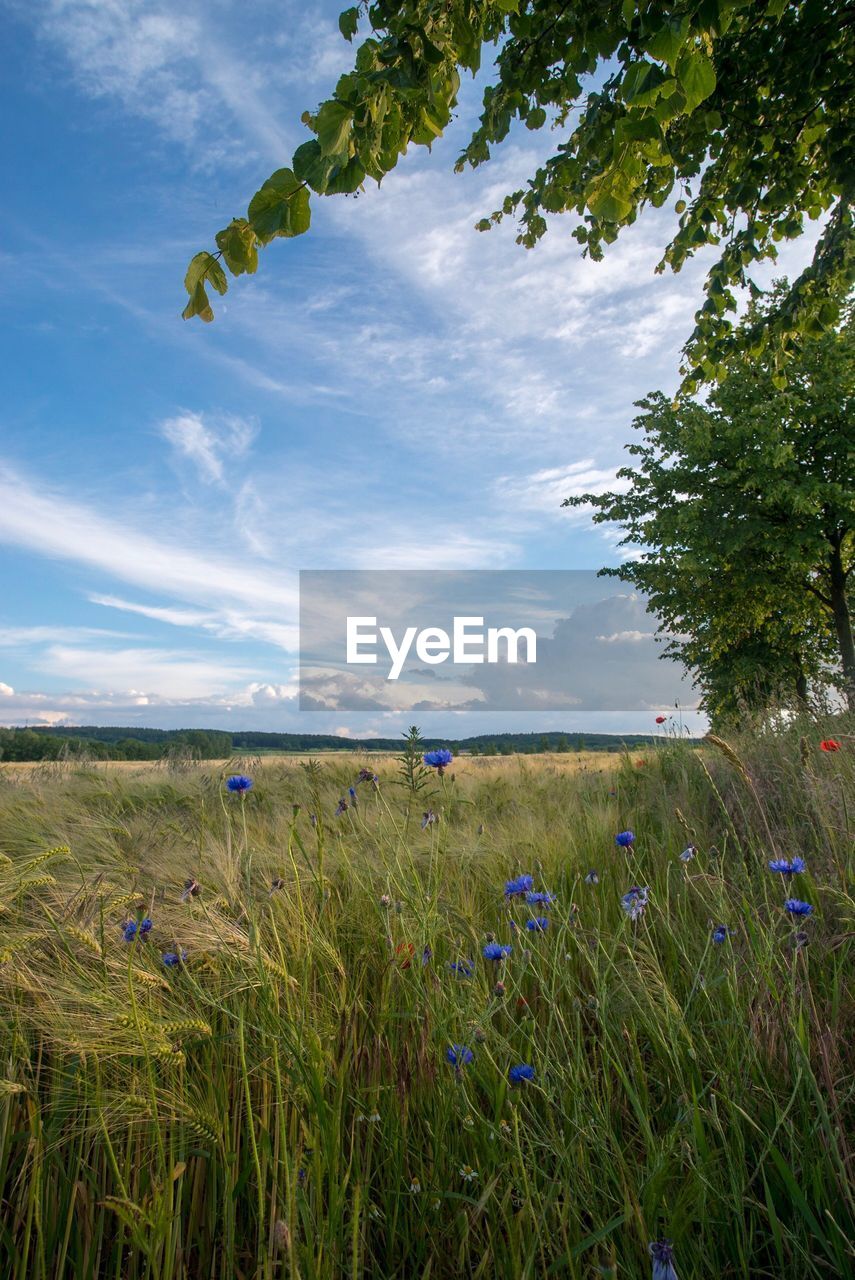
741	112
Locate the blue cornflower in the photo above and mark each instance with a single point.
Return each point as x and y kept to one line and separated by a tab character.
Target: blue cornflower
688	853
172	958
538	925
427	955
785	868
719	933
462	968
352	793
240	783
519	887
634	901
438	759
459	1056
129	929
521	1072
592	878
662	1256
429	818
540	899
624	839
496	951
796	907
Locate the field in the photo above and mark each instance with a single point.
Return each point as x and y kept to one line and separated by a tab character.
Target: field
304	1066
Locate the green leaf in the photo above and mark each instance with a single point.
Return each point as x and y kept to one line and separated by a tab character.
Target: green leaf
642	83
198	304
536	118
348	22
697	77
312	166
280	208
665	45
346	178
332	125
238	245
507	6
608	202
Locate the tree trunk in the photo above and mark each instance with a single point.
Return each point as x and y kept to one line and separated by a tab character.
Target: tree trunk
842	621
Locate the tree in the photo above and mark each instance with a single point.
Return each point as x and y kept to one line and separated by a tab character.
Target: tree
744	513
742	110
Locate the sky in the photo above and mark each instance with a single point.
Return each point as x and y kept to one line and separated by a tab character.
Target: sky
393	390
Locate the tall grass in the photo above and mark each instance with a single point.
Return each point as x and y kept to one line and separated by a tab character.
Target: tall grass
281	1103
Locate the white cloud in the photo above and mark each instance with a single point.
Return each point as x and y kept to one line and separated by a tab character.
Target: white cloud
209	445
56	526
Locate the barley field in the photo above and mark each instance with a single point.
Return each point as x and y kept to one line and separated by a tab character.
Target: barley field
366	1020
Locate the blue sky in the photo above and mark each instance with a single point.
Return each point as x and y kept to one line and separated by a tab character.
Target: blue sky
393	390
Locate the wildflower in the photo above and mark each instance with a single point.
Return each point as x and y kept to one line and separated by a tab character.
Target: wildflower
468	1174
406	951
462	968
662	1256
415	1186
365	775
522	1071
830	744
351	791
800	939
592	878
796	907
479	1035
499	990
519	887
688	853
468	1122
785	868
720	933
459	1056
239	783
192	889
302	1176
634	901
428	819
538	925
661	719
341	807
540	899
496	951
385	900
624	839
427	955
129	928
172	959
438	759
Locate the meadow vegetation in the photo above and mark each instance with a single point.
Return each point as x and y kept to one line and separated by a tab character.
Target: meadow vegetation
246	1035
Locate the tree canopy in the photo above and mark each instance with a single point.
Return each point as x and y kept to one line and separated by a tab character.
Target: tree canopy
741	110
741	513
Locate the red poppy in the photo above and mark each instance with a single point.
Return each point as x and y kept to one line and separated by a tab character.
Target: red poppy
830	744
661	719
639	764
406	951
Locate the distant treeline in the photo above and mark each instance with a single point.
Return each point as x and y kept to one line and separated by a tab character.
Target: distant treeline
109	742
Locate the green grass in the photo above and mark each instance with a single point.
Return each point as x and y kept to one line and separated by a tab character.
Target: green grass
266	1109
